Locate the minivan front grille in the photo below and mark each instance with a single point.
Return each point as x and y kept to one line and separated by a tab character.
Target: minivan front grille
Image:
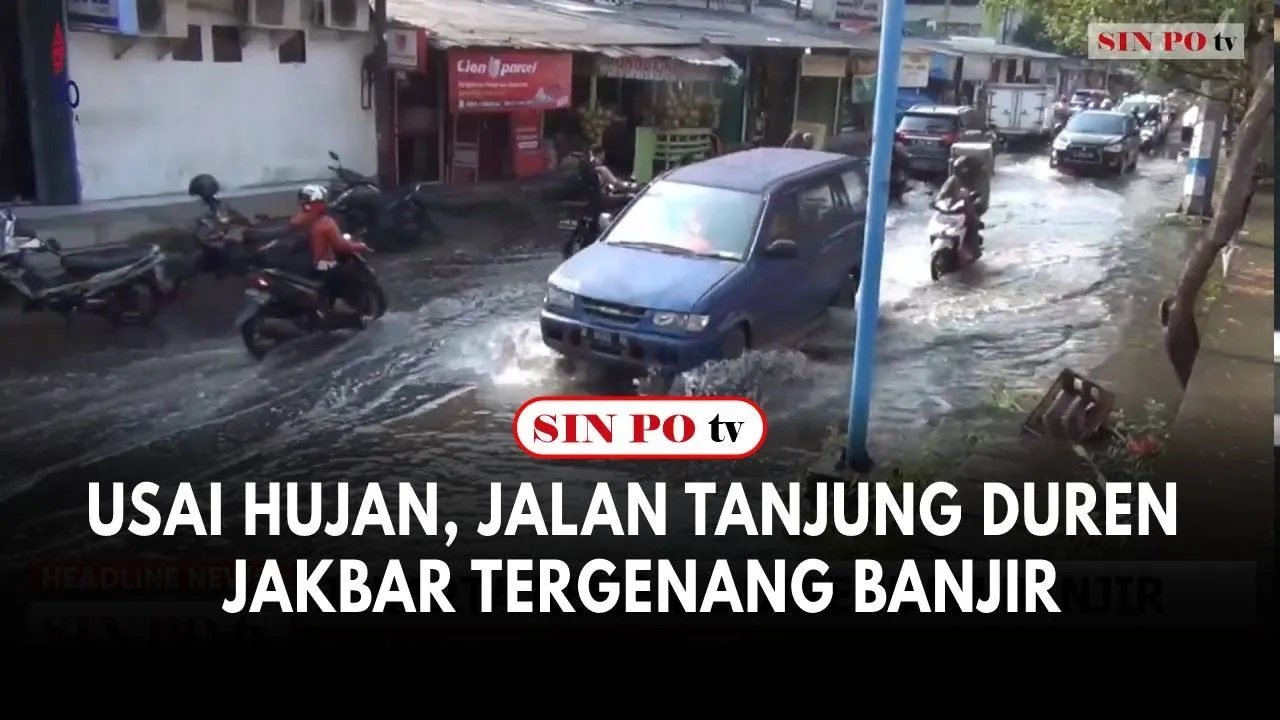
617	312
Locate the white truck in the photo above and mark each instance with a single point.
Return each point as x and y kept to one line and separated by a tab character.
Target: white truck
1017	111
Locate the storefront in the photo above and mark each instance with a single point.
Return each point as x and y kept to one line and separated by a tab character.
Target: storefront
654	109
418	109
37	104
497	99
771	95
817	101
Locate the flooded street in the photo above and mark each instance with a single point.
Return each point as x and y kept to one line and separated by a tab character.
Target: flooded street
428	393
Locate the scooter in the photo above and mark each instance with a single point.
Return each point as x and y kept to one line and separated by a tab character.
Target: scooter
393	219
282	306
1150	135
946	231
577	228
125	284
230	244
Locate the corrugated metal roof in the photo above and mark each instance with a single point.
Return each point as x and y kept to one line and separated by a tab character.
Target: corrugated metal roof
527	24
982	46
569	25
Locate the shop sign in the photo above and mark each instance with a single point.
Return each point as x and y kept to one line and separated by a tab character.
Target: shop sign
867	9
482	81
656	69
94	14
407	49
913	72
829	66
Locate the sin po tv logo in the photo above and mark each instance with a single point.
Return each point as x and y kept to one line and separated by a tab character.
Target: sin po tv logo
1166	41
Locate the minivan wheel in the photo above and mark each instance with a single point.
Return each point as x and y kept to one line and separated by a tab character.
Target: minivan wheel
734	344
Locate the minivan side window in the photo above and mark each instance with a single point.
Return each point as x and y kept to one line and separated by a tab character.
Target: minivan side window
817	204
784	220
855	188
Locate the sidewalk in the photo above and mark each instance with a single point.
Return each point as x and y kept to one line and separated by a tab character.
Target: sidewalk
80	226
1217	448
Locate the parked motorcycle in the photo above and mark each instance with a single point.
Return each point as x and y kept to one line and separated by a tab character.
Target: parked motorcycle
125	284
947	250
392	219
577	227
282	306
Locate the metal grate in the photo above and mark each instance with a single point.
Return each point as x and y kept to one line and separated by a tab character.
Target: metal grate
1074	409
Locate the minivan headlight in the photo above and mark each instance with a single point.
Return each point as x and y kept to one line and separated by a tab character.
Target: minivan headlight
1115	147
683	321
558	297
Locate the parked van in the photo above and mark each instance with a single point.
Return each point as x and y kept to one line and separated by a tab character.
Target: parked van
745	250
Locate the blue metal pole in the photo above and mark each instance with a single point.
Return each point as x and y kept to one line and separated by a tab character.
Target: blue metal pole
864	349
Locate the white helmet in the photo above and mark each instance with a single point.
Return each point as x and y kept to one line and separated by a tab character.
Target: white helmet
311	194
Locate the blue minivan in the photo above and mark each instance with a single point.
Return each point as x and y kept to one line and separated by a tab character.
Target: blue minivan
745	250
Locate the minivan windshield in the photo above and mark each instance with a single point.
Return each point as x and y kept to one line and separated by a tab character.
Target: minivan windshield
936	124
1096	124
1086	96
690	220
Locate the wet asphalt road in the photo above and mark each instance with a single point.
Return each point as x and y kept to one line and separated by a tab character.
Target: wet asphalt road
428	393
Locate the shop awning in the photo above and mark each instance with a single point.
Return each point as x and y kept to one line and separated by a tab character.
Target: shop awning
685	64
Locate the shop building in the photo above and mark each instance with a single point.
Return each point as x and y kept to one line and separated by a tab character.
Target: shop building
141	95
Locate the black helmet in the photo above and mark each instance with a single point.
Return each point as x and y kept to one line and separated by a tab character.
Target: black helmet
203	186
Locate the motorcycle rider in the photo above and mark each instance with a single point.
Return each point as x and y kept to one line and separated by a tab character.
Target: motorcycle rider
960	186
327	242
597	182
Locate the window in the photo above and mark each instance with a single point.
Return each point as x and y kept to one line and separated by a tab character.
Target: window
784	220
294	50
1096	123
226	43
855	188
920	123
191	49
816	208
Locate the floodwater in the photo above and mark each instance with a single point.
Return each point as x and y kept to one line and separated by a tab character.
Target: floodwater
429	392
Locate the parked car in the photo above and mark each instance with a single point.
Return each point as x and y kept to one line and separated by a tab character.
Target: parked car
1098	139
1081	99
741	251
928	132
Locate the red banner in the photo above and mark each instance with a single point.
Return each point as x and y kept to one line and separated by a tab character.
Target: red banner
526	143
482	81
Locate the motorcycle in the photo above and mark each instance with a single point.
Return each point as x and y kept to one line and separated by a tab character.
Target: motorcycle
577	228
125	284
396	218
282	306
228	243
947	250
1150	134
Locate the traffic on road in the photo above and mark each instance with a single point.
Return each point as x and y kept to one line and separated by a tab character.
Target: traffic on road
735	283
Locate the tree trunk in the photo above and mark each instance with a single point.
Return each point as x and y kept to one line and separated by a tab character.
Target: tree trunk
1181	337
